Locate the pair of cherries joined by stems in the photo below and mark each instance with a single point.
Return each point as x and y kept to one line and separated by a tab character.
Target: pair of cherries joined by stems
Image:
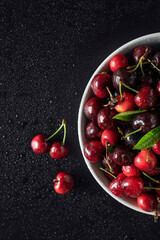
64	182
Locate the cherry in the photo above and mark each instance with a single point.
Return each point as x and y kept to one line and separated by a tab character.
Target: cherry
145	121
154	172
146	80
145	160
158	88
104	118
92	107
93	151
115	185
118	61
132	186
156	148
58	150
93	131
146	98
156	59
110	137
147	202
131	170
63	183
127	103
139	52
132	139
122	155
99	84
39	144
111	167
148	185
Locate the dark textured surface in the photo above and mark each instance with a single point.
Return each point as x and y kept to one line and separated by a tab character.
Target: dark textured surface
48	51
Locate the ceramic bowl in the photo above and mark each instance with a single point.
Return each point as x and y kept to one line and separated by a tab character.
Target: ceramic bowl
151	40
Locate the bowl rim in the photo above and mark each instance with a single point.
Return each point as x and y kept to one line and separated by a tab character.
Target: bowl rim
129	45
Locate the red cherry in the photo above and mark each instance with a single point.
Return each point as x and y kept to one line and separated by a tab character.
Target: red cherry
127	104
110	137
39	145
63	183
118	61
156	148
145	161
93	151
93	131
158	88
147	202
140	51
104	118
99	84
115	185
146	98
132	186
92	107
58	150
111	167
131	170
154	172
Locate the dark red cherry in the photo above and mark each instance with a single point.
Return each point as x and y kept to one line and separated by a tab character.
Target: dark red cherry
92	107
132	186
146	98
110	137
147	202
39	145
146	80
123	155
131	170
99	84
156	59
93	131
58	150
149	184
132	140
154	172
111	167
93	151
145	160
146	121
104	118
156	148
63	183
118	61
158	88
140	51
115	185
127	104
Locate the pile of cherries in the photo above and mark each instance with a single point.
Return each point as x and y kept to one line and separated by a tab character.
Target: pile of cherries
129	85
64	182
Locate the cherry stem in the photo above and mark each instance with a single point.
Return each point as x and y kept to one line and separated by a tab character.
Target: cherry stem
109	165
153	65
63	123
133	66
120	90
138	130
147	159
154	180
130	88
151	188
55	180
141	66
155	216
107	172
64	135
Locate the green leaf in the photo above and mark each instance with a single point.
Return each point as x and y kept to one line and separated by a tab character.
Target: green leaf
149	139
128	116
111	148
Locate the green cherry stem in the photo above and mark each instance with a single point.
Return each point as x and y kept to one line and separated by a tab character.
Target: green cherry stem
130	88
120	90
154	180
151	188
64	136
141	66
153	65
107	172
138	130
63	123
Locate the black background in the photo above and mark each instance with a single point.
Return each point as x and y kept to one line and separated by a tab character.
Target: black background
48	51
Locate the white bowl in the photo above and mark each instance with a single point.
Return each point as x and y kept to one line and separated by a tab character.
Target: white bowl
151	40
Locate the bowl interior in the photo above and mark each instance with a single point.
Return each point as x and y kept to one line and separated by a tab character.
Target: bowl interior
152	40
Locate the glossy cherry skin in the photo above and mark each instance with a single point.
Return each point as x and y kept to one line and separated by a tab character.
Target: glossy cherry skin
132	140
127	104
146	80
156	148
158	88
92	107
156	59
63	183
58	150
115	185
148	183
122	155
118	61
99	84
116	169
39	145
110	137
132	186
146	121
131	170
104	118
145	161
139	52
147	202
93	131
146	98
93	151
154	172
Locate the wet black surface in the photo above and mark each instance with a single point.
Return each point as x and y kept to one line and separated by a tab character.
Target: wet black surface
48	51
